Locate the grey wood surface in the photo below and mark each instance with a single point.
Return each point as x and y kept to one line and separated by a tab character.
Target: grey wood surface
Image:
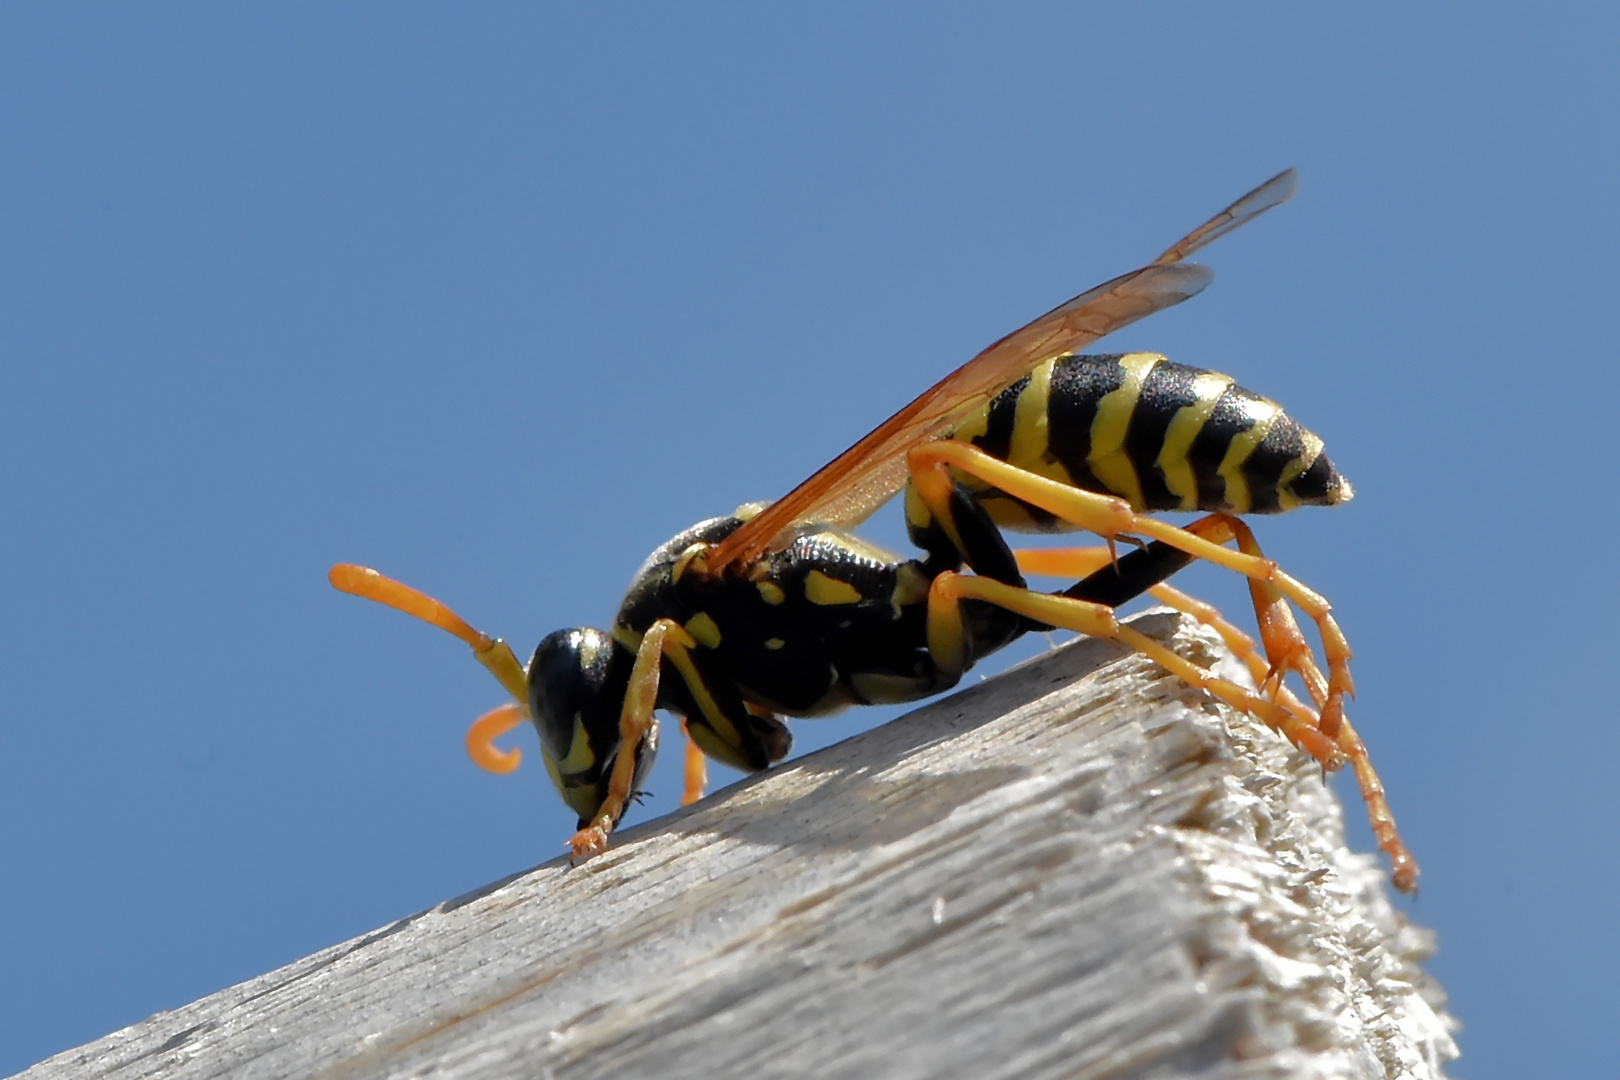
1080	868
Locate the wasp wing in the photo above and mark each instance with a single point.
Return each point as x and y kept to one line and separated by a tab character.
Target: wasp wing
855	483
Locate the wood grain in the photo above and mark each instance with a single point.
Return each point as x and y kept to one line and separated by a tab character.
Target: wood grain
1080	868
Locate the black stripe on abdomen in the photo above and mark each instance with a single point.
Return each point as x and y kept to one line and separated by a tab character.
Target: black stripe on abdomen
1166	390
1078	383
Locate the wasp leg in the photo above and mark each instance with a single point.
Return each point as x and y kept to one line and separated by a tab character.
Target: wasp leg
717	723
1217	528
1343	745
1404	868
664	637
493	653
1286	648
1109	517
764	731
945	638
694	770
1099	563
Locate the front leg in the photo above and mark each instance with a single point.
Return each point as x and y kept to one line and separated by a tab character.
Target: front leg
716	721
637	725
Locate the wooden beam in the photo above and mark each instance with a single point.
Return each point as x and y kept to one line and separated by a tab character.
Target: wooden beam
1080	868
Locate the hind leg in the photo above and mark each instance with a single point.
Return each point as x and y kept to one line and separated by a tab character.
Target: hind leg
1085	562
947	641
1344	744
1286	648
1111	517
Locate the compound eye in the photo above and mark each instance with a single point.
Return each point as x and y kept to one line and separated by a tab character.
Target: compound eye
570	695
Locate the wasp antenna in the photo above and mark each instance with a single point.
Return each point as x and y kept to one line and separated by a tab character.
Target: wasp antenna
493	653
489	727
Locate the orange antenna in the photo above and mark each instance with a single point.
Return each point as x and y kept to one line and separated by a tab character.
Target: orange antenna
493	653
489	727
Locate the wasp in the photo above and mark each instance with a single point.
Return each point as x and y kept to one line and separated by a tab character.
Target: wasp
778	610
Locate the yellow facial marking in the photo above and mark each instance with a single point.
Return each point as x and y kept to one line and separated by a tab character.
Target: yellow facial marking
552	770
826	592
770	592
1184	428
580	756
580	798
1107	460
1263	413
774	643
703	628
627	637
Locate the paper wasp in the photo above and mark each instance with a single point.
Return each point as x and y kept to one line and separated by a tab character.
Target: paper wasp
776	610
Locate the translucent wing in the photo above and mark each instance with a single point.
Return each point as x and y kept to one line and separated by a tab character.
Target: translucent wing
864	477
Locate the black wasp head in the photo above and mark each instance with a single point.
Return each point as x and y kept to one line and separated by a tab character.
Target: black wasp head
577	682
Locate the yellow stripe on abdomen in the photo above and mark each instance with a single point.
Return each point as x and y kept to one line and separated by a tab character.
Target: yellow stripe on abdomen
1107	460
1264	413
1184	428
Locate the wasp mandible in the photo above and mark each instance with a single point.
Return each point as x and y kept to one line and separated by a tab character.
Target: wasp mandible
777	610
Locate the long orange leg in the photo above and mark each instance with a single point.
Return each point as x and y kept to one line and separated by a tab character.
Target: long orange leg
1111	517
945	642
1343	744
493	653
1080	562
1286	648
694	771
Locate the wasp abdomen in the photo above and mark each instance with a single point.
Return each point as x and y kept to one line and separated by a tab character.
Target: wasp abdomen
1161	435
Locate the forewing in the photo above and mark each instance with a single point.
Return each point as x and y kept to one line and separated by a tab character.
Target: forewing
861	479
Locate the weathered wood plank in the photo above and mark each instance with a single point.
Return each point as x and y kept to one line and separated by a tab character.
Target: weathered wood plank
1081	868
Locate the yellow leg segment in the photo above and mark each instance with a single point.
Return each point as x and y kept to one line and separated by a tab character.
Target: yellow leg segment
1095	620
636	720
1080	562
694	771
1342	744
1110	517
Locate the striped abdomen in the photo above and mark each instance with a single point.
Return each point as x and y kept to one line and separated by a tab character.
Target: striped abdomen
1159	435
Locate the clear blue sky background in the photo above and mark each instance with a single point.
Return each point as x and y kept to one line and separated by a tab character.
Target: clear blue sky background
499	298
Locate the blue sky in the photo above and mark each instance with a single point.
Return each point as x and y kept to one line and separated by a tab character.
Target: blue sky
497	299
